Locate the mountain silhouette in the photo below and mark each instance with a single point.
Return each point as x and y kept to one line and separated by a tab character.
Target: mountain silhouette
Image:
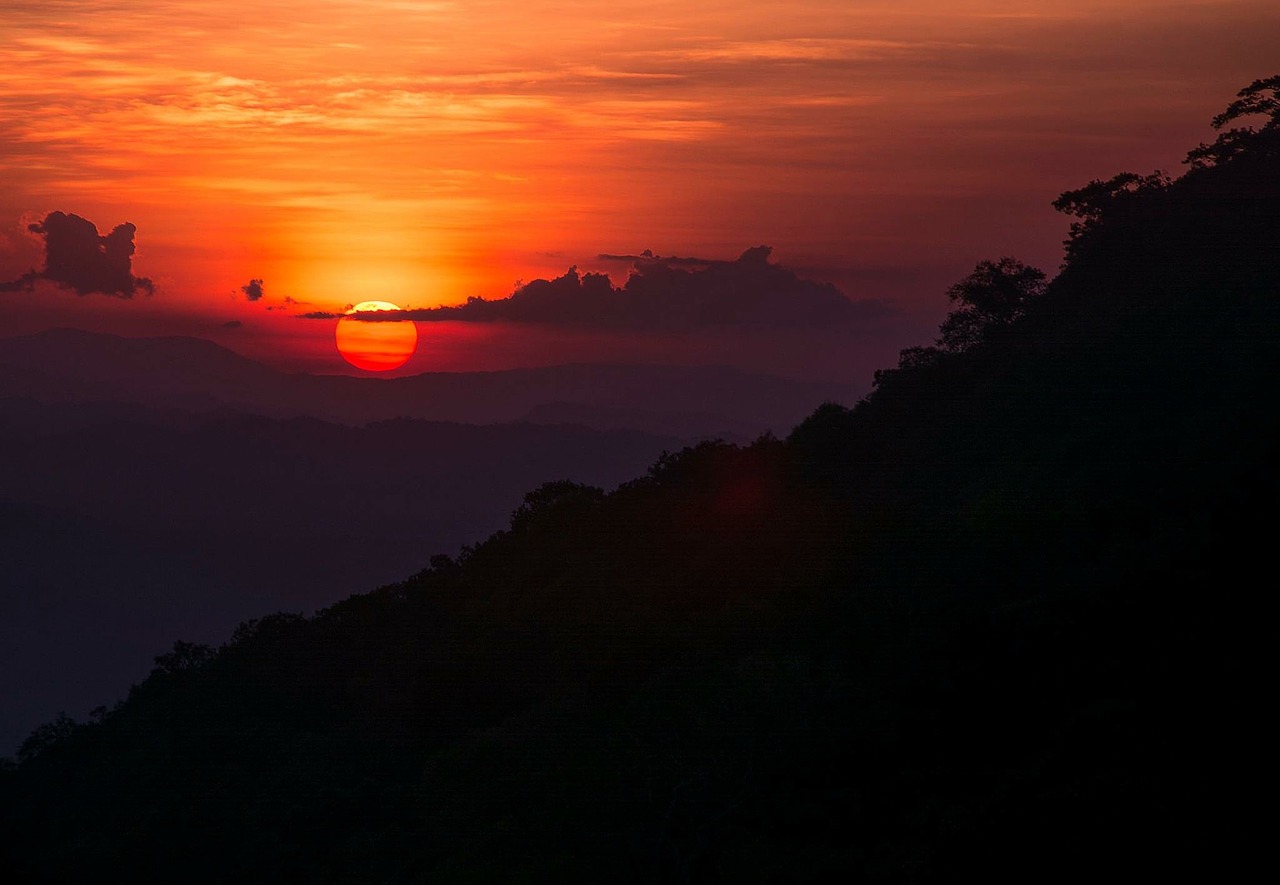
1002	619
64	365
111	505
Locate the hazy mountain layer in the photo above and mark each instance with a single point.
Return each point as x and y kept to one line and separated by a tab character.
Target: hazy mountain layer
65	365
125	526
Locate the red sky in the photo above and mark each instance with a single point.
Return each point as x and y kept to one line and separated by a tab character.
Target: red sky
426	152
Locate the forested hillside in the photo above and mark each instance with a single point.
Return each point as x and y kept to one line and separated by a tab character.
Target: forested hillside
1002	619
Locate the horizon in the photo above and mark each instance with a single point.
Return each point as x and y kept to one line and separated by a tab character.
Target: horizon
409	372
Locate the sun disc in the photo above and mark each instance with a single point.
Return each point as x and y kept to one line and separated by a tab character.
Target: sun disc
375	345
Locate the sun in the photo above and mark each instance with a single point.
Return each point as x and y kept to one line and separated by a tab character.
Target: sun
375	346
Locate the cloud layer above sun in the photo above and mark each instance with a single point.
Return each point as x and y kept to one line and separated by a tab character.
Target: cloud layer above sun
675	294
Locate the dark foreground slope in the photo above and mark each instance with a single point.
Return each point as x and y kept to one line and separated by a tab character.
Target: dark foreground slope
1003	619
123	527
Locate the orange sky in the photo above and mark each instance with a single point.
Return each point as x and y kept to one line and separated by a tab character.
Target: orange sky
424	152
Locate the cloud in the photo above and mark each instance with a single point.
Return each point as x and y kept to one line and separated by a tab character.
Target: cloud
252	290
232	324
77	257
24	283
648	256
661	294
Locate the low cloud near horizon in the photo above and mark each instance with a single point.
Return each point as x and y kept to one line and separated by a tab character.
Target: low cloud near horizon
662	293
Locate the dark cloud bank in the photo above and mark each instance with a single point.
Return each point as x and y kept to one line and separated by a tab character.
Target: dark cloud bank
77	257
661	293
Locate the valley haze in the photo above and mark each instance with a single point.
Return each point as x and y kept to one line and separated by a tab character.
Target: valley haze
153	488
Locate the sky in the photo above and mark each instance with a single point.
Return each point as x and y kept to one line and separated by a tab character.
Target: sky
294	157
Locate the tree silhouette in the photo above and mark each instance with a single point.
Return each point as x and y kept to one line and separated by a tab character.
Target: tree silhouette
1099	202
564	497
45	736
993	296
1259	97
184	657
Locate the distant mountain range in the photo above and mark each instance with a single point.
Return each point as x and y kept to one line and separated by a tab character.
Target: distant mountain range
161	487
66	365
122	526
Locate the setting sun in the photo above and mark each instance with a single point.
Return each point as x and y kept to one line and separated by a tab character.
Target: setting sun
375	346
